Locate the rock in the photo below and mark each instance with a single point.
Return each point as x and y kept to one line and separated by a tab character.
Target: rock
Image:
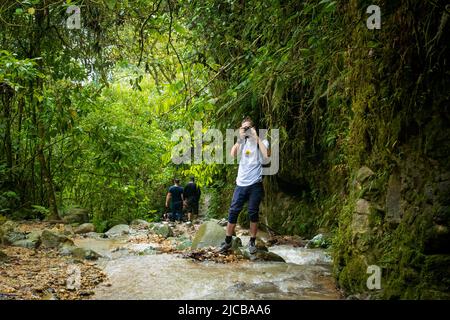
66	249
118	230
362	206
68	230
149	251
261	256
162	229
54	240
318	241
364	173
236	243
84	228
360	223
8	233
13	236
94	235
78	252
26	243
82	253
184	245
223	222
140	223
209	234
76	215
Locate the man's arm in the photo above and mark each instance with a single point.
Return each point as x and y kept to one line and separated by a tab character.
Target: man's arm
168	197
235	149
262	147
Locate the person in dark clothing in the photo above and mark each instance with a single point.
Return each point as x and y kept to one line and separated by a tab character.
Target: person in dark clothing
175	197
192	198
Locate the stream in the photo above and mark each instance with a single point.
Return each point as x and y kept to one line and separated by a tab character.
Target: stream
138	271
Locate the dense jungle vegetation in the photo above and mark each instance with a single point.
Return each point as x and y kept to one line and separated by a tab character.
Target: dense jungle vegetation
87	117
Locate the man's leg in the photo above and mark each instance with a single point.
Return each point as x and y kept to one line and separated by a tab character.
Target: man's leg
255	197
239	198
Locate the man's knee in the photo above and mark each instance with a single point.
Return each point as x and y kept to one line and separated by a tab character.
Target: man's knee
232	217
253	216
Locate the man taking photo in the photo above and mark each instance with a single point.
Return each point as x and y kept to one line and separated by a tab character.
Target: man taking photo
249	186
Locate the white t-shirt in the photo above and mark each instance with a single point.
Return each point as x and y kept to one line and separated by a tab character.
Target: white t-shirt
250	164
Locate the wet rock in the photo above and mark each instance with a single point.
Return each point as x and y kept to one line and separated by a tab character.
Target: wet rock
319	241
118	230
84	228
265	288
162	229
52	239
76	215
261	256
364	173
209	234
140	223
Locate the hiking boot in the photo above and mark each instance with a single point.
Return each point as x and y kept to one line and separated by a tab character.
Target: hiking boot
224	247
252	247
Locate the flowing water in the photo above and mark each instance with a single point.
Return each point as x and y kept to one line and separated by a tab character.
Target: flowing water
305	275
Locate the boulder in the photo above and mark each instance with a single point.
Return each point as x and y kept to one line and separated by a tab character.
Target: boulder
76	215
140	223
84	228
261	255
209	234
364	173
118	230
162	229
52	239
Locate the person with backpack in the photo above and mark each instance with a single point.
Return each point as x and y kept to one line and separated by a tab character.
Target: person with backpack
192	195
175	198
249	186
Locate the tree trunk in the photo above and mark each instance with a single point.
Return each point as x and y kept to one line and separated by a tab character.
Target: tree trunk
45	171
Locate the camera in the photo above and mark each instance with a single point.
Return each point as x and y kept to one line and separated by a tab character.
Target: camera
245	130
